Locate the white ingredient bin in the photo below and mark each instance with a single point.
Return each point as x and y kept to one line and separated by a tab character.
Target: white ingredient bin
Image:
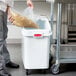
36	45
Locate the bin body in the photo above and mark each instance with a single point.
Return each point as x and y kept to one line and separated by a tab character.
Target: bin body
36	47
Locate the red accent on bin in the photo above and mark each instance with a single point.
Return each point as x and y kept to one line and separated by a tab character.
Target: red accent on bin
37	35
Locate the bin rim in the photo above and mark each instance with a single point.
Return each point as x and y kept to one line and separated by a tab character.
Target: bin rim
46	31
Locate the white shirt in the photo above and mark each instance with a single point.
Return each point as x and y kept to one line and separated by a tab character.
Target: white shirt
3	4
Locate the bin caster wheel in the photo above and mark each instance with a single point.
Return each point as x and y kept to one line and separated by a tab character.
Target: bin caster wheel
43	71
27	72
55	69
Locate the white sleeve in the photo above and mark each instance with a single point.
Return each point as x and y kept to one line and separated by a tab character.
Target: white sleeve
10	3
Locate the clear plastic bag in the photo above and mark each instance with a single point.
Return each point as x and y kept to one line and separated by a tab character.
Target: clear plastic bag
28	12
39	20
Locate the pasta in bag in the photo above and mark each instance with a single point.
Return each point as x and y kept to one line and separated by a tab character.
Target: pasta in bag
26	21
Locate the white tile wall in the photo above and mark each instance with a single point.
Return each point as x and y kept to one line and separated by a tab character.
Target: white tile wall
40	8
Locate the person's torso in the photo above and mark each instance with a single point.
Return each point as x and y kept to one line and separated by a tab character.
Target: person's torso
2	6
4	3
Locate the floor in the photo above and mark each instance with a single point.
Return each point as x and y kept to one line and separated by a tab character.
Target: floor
15	52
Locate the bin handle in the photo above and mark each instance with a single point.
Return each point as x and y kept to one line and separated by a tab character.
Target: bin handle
41	35
38	35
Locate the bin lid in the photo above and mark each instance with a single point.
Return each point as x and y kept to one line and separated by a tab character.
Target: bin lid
36	33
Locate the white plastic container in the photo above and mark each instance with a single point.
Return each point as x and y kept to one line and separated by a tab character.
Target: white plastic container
36	45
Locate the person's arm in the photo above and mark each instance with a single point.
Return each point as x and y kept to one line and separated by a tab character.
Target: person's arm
9	12
10	4
7	9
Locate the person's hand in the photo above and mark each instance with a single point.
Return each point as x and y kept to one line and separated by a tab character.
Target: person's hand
10	17
30	3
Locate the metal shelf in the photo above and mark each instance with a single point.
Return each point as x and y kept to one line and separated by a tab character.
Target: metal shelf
68	60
